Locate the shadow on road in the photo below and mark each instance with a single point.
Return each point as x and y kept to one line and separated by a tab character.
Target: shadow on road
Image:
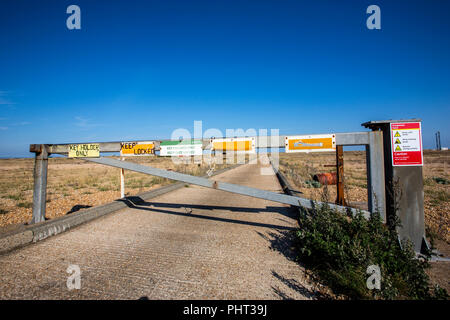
281	241
139	203
78	207
294	285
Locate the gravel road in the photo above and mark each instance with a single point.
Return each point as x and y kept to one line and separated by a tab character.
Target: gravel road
192	243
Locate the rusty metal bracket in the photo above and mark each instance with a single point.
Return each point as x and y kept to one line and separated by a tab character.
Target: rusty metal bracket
340	200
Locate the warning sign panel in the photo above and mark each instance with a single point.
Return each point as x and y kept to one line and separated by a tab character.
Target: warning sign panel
406	144
310	143
146	148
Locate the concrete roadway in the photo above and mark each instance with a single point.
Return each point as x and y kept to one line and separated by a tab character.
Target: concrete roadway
192	243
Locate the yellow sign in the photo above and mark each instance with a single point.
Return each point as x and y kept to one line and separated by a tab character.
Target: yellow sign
397	141
137	148
310	143
398	148
246	145
397	134
89	150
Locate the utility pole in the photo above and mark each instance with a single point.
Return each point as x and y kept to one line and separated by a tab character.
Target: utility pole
438	141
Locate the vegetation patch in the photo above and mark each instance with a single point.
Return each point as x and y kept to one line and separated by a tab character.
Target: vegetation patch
24	204
441	180
15	197
339	249
312	184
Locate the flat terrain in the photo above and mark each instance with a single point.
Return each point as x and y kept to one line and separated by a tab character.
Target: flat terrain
192	243
75	184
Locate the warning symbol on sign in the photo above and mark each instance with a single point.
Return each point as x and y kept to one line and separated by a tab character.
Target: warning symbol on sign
398	148
397	134
397	141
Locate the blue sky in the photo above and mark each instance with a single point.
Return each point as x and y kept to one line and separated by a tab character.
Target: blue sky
141	69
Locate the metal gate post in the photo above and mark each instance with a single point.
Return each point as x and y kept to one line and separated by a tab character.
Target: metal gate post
40	182
375	174
122	181
404	189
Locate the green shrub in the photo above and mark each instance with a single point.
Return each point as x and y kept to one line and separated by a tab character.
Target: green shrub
312	184
16	197
339	248
103	188
441	180
24	204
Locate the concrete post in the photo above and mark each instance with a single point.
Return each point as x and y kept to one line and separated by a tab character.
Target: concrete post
403	189
40	182
375	174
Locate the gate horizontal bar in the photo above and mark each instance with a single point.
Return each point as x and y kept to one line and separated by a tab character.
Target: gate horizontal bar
345	139
229	187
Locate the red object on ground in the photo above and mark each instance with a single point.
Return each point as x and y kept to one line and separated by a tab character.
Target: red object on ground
328	178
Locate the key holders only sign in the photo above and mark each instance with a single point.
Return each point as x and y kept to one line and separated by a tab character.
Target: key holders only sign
406	144
88	150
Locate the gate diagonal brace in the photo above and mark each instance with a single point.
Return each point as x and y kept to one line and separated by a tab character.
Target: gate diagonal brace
229	187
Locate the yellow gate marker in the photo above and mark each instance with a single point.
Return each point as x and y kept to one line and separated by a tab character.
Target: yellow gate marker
239	145
87	150
310	143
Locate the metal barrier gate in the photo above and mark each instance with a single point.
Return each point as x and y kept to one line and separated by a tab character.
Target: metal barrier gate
373	141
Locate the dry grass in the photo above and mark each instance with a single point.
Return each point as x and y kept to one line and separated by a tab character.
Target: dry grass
76	183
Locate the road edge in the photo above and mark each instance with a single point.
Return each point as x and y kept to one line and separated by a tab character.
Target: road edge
28	234
285	186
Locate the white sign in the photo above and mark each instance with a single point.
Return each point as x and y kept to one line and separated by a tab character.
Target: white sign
175	148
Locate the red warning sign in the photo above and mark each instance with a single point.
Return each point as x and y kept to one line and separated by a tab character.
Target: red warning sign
406	144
